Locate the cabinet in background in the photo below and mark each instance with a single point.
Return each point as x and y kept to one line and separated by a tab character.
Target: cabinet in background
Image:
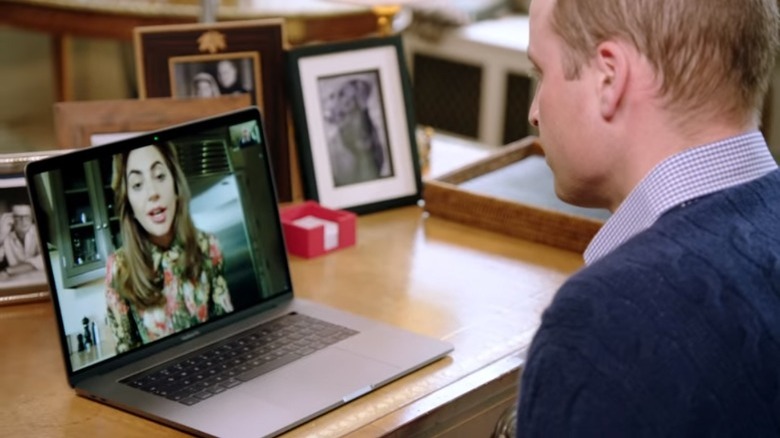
88	227
475	80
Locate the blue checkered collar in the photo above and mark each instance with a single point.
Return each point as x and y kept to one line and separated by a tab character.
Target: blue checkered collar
687	175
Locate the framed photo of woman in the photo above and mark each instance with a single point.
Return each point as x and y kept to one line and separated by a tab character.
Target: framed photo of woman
205	60
354	123
22	274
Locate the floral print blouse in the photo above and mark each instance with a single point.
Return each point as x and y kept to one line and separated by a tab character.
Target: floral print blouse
188	303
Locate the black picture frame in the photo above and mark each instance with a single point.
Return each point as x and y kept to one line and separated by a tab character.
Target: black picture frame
354	124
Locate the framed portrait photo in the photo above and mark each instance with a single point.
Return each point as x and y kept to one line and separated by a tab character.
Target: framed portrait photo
22	274
216	75
354	124
206	60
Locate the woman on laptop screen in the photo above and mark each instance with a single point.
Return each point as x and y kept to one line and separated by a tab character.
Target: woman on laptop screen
167	276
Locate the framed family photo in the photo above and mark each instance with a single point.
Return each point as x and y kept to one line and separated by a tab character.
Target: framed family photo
22	274
354	124
216	75
206	60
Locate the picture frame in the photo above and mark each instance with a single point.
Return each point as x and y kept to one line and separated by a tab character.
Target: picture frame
178	59
354	124
22	274
511	191
81	124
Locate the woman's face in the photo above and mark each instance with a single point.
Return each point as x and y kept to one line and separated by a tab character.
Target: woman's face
204	89
227	73
151	193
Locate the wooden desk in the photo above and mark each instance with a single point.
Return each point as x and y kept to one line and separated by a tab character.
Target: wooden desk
305	20
481	291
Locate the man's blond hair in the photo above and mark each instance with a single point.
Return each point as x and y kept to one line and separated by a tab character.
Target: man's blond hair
708	54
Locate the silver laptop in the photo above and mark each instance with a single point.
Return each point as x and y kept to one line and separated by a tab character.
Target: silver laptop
172	290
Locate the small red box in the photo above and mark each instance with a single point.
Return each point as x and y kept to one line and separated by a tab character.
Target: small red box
312	230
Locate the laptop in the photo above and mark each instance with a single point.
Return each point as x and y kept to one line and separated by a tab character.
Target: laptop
227	351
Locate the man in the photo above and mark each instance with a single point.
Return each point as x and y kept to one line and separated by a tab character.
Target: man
19	250
651	109
246	138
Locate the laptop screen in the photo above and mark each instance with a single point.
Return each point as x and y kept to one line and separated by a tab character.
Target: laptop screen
158	234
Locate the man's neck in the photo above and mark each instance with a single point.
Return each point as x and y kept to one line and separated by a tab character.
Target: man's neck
651	143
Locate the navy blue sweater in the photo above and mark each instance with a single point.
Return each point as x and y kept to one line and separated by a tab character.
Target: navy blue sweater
675	333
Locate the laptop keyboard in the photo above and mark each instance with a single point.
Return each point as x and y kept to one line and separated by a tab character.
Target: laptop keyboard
239	359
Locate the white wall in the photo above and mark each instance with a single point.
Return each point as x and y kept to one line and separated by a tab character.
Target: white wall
90	296
26	91
102	69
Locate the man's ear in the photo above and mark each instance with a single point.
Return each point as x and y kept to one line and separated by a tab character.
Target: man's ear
613	70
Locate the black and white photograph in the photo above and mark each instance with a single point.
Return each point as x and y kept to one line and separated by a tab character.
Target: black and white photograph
21	263
355	127
22	275
354	124
209	76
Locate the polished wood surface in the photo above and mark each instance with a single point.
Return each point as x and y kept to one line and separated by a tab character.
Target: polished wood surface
306	20
482	291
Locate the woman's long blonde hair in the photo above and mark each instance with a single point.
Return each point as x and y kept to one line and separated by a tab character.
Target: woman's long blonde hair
136	279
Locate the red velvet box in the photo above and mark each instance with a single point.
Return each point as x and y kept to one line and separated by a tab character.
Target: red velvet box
311	230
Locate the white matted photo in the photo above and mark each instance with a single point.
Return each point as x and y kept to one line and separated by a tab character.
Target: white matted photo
22	275
353	120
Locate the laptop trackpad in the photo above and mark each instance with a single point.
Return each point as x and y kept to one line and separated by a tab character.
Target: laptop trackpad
323	379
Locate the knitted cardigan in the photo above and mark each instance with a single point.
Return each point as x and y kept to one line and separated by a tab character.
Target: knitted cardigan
675	333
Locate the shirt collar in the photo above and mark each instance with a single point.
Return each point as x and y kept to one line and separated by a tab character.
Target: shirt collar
161	257
689	174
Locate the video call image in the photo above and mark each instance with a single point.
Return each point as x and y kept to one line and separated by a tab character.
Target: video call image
154	241
245	134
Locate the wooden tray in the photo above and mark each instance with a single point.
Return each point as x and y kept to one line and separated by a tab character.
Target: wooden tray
483	195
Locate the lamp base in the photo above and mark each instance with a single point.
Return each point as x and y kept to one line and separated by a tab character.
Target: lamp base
385	15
